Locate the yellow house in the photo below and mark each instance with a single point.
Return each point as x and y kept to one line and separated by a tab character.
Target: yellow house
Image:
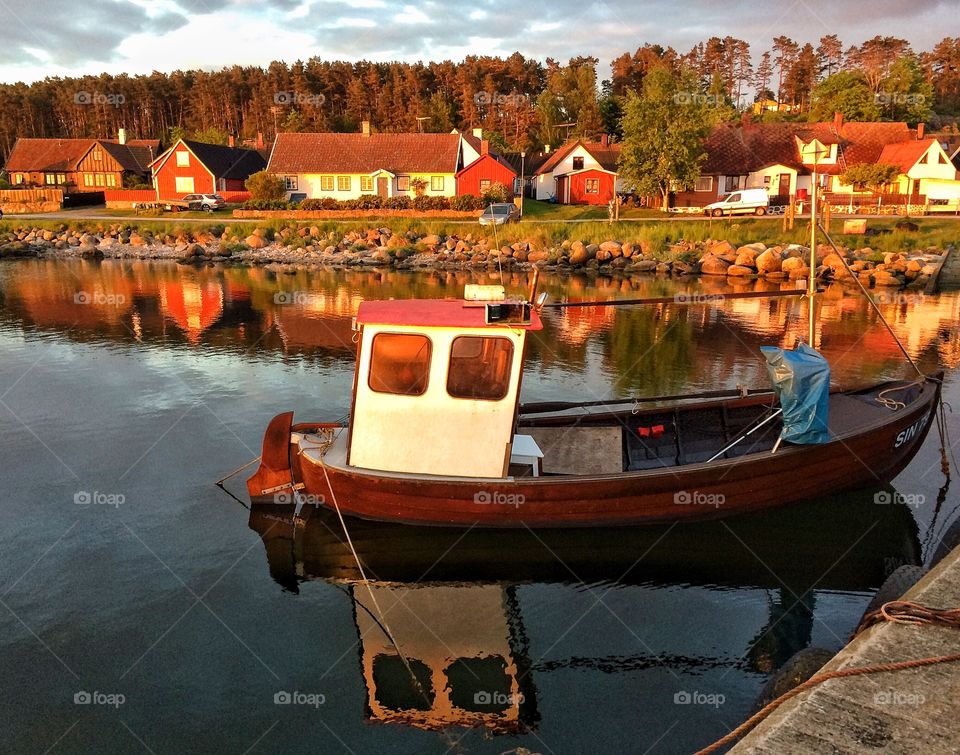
347	166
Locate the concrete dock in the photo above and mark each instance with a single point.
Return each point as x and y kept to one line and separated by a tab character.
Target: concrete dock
911	711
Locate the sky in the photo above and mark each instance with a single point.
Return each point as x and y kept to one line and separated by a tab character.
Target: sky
65	37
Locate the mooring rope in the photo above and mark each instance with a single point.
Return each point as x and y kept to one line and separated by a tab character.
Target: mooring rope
897	611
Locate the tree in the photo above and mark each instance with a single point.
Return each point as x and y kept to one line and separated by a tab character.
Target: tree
785	50
440	114
761	79
801	77
663	133
211	135
266	187
829	55
848	93
872	175
905	95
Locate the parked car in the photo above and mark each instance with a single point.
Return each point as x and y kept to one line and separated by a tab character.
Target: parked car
743	202
205	202
498	214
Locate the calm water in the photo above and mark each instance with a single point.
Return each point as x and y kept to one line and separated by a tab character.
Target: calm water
134	386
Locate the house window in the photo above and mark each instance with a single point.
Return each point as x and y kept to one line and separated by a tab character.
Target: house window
399	364
184	184
111	179
591	186
484	184
18	178
704	183
290	183
101	179
403	183
97	155
88	179
49	179
183	159
578	163
366	183
326	183
941	159
343	183
436	183
61	178
480	368
731	183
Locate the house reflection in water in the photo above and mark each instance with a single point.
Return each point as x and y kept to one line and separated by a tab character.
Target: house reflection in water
192	304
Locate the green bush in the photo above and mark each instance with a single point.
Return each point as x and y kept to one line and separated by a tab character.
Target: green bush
426	203
397	203
265	186
269	204
466	203
496	194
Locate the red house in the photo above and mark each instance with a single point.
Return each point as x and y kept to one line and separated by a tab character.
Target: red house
587	186
190	167
484	172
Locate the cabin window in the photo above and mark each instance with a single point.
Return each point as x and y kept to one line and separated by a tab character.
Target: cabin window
183	159
592	186
290	183
484	185
704	183
111	179
578	163
480	367
941	159
326	183
49	178
366	183
343	183
97	155
403	183
184	184
101	179
88	179
436	183
400	364
18	178
732	183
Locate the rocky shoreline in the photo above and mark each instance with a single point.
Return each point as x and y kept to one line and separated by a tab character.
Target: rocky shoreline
310	246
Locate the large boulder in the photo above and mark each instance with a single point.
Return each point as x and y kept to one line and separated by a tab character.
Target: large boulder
739	270
710	264
254	241
723	249
580	253
769	262
612	248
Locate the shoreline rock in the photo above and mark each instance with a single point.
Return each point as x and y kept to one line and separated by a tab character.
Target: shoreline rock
311	246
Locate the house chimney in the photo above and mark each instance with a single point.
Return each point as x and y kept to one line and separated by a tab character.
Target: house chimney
122	136
365	128
605	140
837	120
231	141
920	129
260	140
484	147
478	132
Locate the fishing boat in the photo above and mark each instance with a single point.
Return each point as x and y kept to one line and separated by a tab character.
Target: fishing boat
437	435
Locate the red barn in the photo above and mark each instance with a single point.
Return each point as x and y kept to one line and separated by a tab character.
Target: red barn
484	172
588	186
190	167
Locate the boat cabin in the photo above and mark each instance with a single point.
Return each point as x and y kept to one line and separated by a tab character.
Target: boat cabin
437	384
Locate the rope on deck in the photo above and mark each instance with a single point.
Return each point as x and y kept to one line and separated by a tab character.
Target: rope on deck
897	611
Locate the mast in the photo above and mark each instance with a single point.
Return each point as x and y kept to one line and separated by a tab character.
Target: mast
811	278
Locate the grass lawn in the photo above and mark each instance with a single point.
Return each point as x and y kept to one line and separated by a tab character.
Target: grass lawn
537	211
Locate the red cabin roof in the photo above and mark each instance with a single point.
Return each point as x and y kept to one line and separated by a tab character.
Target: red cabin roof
433	313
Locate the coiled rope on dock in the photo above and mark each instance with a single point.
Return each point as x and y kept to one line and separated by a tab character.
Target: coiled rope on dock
896	611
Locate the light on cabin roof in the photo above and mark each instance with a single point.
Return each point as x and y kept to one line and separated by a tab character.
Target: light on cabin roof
477	292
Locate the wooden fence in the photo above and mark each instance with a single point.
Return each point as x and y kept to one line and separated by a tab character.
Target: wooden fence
15	201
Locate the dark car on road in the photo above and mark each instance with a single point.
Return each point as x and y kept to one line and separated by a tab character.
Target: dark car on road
499	214
206	202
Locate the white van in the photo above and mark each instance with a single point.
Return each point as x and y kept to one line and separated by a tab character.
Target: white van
743	202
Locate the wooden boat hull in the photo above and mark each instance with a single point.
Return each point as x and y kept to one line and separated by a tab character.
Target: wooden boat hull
871	456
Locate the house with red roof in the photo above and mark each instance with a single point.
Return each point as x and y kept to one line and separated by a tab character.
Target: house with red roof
81	165
579	172
781	157
347	166
190	167
484	171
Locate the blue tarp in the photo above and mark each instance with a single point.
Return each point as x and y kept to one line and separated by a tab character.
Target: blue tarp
801	379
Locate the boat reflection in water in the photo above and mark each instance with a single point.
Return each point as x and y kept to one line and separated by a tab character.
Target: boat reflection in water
453	601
